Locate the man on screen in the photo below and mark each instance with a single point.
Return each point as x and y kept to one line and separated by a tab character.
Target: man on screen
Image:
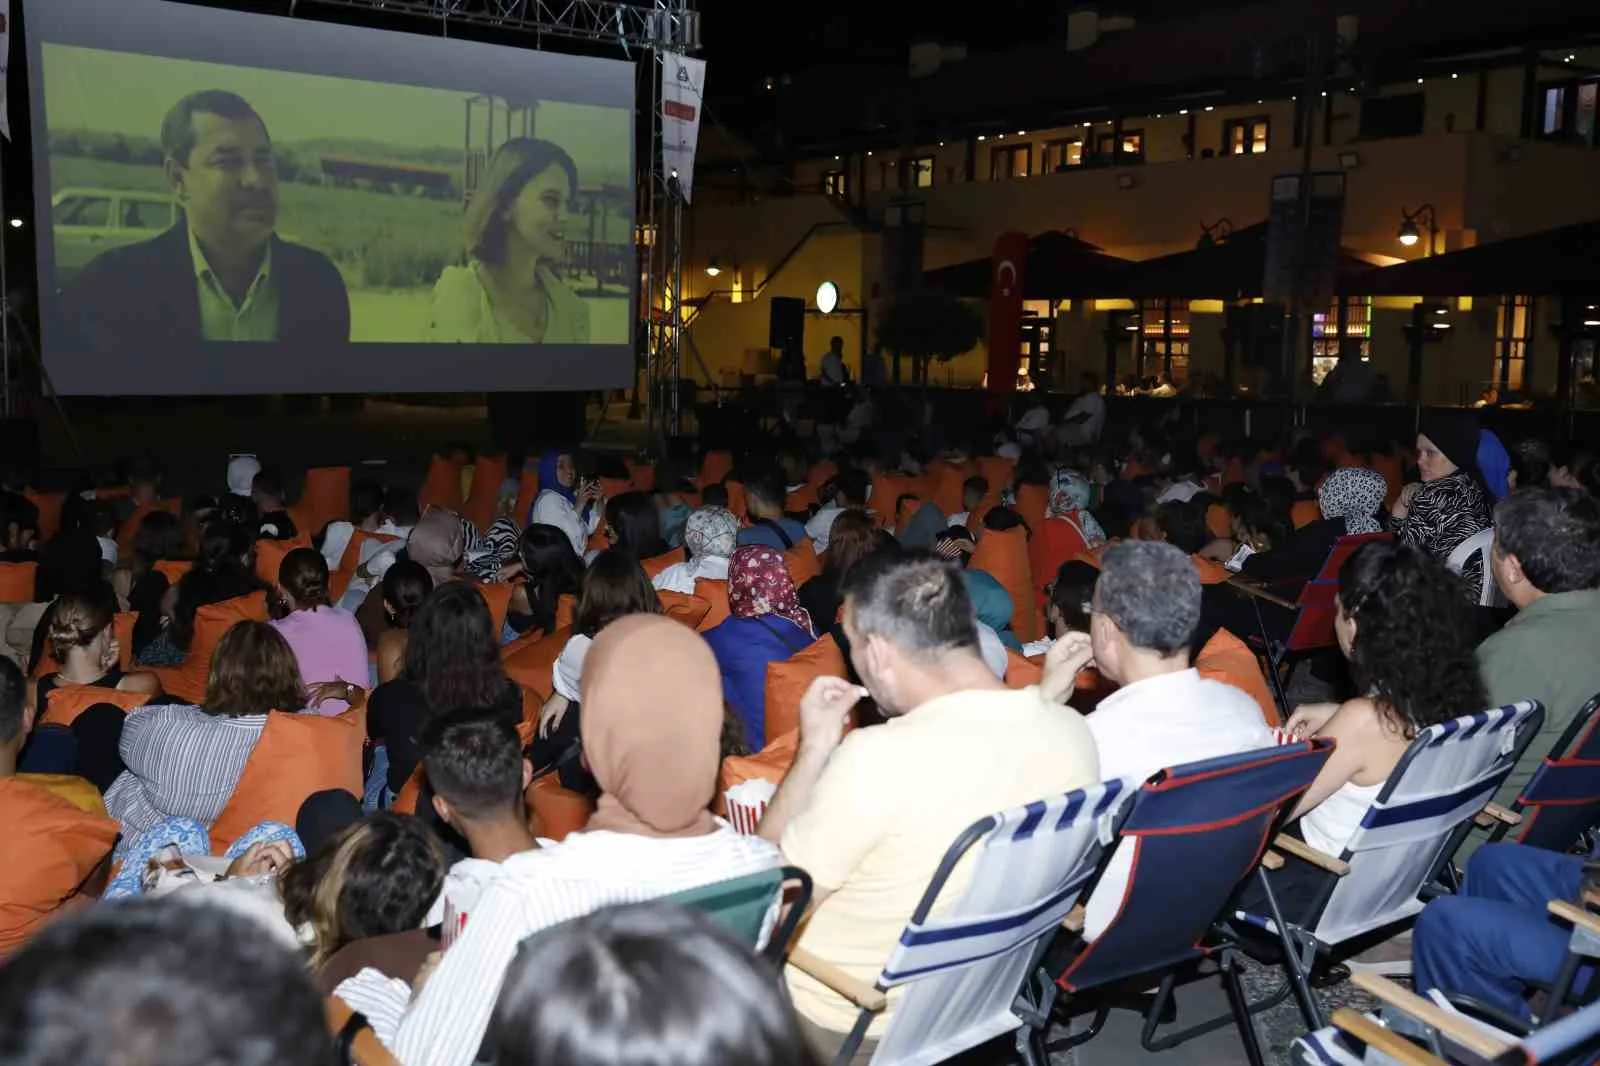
221	273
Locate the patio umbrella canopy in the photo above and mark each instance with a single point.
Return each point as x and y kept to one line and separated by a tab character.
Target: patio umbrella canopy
1059	267
1232	268
1547	263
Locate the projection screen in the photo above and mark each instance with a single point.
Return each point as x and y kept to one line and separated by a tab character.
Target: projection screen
239	203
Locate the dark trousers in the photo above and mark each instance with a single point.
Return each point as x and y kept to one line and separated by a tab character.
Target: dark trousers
1495	936
89	747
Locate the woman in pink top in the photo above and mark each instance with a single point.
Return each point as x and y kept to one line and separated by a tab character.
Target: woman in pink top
327	641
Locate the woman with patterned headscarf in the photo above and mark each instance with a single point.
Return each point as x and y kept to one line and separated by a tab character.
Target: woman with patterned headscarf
1068	531
767	625
710	536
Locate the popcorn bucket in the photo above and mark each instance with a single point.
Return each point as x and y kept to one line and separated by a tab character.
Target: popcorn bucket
747	802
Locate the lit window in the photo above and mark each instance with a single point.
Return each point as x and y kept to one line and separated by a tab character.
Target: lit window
1513	329
1059	155
1012	161
1246	136
921	172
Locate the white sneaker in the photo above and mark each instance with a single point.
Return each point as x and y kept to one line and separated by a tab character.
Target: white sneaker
1391	958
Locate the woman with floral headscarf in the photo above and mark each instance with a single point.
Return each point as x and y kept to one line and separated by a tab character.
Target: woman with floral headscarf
710	536
767	625
1068	531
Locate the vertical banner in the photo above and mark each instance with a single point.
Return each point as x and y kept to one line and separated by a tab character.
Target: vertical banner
683	82
5	68
1005	311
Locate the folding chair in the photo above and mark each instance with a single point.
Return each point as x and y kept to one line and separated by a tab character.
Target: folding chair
1561	801
971	970
1399	857
1191	835
1314	610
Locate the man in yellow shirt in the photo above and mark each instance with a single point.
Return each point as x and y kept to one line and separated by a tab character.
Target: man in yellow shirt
870	815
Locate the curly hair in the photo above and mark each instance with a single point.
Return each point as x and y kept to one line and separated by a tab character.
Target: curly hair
1413	652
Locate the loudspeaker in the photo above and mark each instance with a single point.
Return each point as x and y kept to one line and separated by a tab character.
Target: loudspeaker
788	325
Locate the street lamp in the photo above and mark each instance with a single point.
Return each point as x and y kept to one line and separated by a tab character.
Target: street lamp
1214	234
713	270
1410	233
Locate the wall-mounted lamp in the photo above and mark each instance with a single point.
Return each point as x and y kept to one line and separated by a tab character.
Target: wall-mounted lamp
1215	233
1409	233
712	269
827	297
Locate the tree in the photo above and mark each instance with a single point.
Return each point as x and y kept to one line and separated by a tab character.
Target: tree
929	325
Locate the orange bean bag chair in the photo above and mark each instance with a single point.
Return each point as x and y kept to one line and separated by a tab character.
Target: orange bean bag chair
947	481
1304	512
642	476
350	561
296	756
324	498
49	849
442	486
657	563
554	813
690	610
801	500
498	597
529	660
527	492
1020	672
802	563
487	477
188	682
64	704
1228	659
49	505
1032	501
788	680
996	471
716	594
270	555
716	466
1003	555
129	529
173	569
566	607
17	581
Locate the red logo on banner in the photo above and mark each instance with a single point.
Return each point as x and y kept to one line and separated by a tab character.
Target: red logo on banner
1005	310
678	109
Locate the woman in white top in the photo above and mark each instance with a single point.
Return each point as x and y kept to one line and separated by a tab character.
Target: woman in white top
510	292
656	760
1408	633
563	502
710	536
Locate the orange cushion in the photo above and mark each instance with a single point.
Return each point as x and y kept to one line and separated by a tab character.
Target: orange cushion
527	491
297	755
1219	521
529	660
49	505
405	801
270	554
657	563
716	466
130	528
788	680
442	486
555	812
1003	555
188	682
716	594
1226	658
63	705
325	496
1304	512
487	477
768	764
16	582
173	569
48	850
690	610
566	607
350	561
498	597
1032	500
802	562
1020	672
801	500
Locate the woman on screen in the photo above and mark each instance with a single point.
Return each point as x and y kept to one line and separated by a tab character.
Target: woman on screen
509	291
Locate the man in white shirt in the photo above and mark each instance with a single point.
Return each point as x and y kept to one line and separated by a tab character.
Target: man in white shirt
851	489
1145	609
871	815
833	372
1086	417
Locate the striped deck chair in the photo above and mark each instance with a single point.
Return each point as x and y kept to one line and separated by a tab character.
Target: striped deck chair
1561	801
971	971
1400	856
1190	836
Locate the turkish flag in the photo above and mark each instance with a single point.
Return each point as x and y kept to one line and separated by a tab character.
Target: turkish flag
1005	310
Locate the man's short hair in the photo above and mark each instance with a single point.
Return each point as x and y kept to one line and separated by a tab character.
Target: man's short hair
766	487
159	982
1152	593
1555	535
177	129
851	486
474	761
917	601
13	693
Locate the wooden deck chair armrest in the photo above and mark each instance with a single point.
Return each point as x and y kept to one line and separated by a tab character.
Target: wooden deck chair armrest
1383	1040
1492	813
1306	853
1272	860
1073	922
1262	594
1451	1026
1576	916
858	992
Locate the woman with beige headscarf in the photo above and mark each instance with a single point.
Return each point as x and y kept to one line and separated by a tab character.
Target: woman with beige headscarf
651	727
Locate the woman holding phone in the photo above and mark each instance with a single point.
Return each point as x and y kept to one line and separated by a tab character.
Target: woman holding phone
510	291
572	505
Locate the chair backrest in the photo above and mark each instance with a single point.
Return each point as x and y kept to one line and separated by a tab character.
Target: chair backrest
1421	815
963	960
741	905
1199	830
1477	547
1562	798
1313	622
